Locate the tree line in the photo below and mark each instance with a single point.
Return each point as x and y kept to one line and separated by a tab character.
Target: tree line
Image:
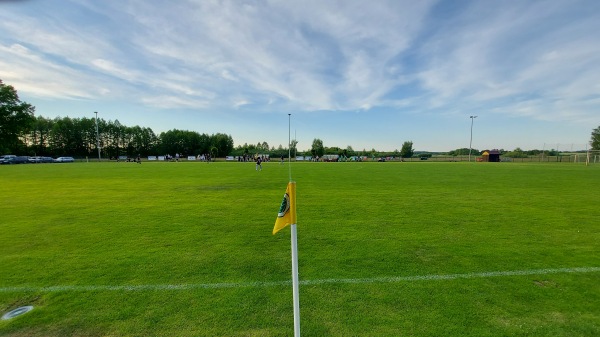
318	150
80	137
22	132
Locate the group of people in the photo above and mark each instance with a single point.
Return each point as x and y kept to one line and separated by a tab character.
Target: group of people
168	157
137	159
246	157
204	157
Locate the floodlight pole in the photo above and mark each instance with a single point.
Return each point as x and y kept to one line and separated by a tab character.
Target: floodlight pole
97	137
471	141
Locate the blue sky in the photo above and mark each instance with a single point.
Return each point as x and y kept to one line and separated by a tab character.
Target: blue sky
365	74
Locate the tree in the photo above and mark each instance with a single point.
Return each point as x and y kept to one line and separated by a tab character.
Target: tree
63	137
264	146
293	147
464	151
374	153
39	135
595	141
114	133
192	143
516	153
317	148
407	150
16	118
223	144
170	142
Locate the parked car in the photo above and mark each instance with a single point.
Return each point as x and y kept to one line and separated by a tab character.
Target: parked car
46	160
39	159
14	160
64	160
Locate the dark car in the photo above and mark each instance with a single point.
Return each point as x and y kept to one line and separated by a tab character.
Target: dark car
6	156
14	160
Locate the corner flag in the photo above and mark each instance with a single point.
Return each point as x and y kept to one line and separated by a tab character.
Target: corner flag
287	211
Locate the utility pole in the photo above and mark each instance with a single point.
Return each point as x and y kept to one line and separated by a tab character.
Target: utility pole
471	141
97	137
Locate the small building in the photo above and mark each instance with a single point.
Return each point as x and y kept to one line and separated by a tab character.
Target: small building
491	156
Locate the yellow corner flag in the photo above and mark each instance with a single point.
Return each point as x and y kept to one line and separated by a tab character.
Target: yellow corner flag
287	211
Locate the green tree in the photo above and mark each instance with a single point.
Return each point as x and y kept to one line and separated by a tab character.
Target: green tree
223	144
595	141
516	153
464	152
317	148
39	135
87	128
64	137
144	141
374	153
293	147
170	142
332	150
16	118
116	139
407	150
186	142
349	151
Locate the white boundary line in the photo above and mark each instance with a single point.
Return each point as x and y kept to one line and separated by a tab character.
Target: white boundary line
398	279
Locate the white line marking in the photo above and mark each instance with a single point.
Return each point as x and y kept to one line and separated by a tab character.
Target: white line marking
398	279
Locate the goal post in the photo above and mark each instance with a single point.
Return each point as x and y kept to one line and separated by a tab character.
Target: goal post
592	157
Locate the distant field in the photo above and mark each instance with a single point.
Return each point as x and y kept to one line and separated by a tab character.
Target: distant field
385	249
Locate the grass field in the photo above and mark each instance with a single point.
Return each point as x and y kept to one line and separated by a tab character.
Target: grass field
385	249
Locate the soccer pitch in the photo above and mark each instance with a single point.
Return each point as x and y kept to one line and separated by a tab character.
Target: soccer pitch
385	249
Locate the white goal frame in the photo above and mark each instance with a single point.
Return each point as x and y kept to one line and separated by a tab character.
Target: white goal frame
592	157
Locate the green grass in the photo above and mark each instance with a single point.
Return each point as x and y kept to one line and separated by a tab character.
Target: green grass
198	225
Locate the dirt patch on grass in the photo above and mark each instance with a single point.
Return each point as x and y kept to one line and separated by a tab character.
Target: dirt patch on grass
545	283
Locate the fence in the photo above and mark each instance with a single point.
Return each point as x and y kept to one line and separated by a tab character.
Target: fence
563	158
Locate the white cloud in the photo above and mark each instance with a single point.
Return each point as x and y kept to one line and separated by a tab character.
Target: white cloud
31	72
241	102
170	102
514	56
226	74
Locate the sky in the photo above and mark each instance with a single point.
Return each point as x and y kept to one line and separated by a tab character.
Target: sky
365	74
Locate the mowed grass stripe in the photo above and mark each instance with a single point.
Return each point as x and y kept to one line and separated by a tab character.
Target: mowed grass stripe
155	287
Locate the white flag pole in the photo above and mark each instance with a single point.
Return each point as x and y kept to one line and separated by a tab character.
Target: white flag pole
294	239
290	145
295	282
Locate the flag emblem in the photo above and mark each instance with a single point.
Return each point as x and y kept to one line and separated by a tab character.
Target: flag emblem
285	206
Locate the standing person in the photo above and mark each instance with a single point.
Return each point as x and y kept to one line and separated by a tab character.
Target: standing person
281	159
258	163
